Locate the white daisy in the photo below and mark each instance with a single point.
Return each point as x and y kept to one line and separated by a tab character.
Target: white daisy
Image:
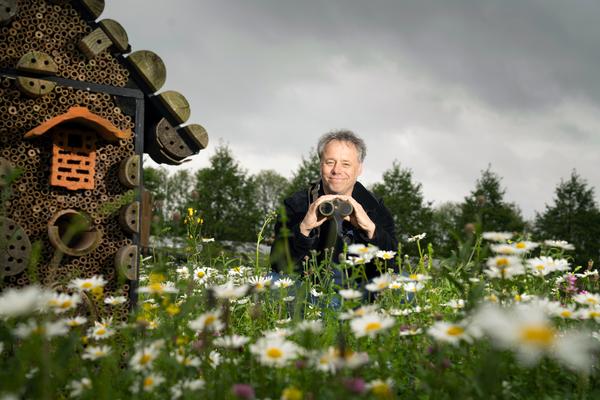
413	287
370	325
283	283
75	321
231	342
379	283
312	326
23	301
260	283
151	381
49	329
94	283
588	299
100	330
61	302
229	291
78	387
504	267
414	278
95	352
385	254
561	244
210	321
275	352
350	294
115	300
449	332
497	236
158	288
417	238
143	358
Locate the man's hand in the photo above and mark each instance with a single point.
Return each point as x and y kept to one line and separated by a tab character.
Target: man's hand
313	217
359	217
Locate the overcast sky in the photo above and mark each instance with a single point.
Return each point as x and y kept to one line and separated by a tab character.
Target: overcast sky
445	87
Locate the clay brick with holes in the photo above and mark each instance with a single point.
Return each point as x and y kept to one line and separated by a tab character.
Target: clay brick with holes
73	158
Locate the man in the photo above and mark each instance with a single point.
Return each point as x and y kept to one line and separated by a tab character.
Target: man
341	155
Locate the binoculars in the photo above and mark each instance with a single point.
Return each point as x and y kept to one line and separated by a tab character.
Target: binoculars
339	207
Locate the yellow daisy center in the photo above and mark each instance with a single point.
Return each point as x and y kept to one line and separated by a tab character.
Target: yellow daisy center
156	287
149	381
100	331
502	262
594	314
209	320
455	330
540	267
86	285
66	304
200	274
591	300
520	245
566	313
539	335
145	359
373	326
274	352
413	277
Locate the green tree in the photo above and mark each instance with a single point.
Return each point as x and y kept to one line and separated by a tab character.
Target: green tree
269	186
171	196
573	217
445	223
308	171
226	199
486	209
404	198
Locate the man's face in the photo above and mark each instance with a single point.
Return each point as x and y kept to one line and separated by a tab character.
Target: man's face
340	167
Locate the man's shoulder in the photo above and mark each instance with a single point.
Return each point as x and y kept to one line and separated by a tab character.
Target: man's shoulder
365	197
298	200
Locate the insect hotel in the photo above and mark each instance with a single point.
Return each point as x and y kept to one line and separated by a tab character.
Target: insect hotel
78	109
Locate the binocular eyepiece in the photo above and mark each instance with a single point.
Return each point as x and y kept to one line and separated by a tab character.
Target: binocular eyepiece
328	208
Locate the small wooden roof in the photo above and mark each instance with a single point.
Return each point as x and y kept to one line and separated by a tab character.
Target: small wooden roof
83	116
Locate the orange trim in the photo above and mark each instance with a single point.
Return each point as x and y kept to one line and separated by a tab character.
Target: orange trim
85	117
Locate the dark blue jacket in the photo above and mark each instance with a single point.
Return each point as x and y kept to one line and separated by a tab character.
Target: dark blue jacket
300	246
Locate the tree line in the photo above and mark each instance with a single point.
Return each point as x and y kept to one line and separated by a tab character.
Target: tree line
234	204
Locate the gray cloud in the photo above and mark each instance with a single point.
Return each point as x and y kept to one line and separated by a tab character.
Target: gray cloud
445	87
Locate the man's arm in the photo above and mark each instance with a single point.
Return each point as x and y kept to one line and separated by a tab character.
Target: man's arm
290	245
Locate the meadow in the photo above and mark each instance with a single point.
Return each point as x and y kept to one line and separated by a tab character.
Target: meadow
502	318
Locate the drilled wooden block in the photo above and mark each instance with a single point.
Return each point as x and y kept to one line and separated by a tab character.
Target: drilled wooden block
94	43
37	62
15	248
129	171
35	87
129	217
8	10
171	141
6	171
126	261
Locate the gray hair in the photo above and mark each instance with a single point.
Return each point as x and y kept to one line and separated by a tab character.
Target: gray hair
342	136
